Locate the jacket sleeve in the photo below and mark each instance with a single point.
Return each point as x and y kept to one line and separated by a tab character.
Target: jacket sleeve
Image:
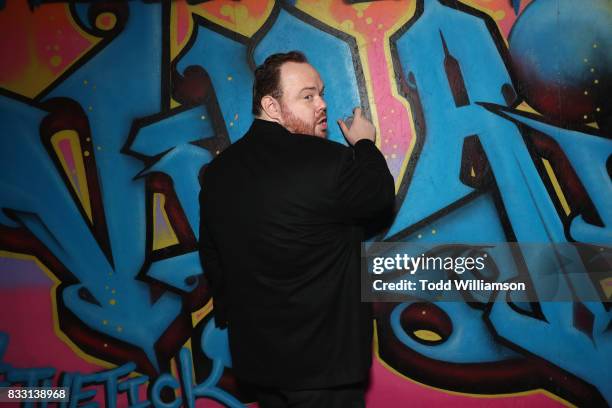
364	186
211	264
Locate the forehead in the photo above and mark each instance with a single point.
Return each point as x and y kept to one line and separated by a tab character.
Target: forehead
294	76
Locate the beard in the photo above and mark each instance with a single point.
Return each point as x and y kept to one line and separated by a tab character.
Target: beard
296	125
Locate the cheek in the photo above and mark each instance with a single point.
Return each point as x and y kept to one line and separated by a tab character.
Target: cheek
306	113
312	112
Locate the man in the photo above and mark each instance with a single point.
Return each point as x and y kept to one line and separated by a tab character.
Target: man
280	234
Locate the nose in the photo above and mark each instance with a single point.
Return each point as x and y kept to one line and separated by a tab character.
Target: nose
322	104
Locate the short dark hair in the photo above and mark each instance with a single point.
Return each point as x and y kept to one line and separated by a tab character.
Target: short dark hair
267	77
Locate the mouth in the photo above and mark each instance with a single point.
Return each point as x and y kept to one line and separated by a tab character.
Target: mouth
322	123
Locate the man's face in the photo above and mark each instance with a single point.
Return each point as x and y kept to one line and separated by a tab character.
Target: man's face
303	109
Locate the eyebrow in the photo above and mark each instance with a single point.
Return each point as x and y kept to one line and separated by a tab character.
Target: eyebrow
311	88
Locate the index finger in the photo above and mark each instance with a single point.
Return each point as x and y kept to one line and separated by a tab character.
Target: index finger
357	111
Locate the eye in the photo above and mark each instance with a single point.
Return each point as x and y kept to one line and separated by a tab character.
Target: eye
308	97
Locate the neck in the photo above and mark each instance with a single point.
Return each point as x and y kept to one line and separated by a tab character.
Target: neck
264	116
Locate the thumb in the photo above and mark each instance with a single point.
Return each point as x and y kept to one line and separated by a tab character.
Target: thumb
343	127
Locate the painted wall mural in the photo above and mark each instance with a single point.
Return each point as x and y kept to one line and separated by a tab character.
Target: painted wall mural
493	115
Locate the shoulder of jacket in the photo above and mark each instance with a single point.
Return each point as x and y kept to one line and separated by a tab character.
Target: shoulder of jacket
323	145
227	154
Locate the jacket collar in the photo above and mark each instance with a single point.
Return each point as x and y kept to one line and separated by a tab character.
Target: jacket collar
266	128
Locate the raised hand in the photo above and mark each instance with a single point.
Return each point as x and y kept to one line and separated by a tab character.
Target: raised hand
360	128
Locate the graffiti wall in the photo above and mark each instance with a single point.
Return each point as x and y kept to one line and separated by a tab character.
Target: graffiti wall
493	118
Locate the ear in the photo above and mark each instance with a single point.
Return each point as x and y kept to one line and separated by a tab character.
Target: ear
271	107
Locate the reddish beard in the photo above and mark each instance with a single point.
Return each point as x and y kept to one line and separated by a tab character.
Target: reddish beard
296	125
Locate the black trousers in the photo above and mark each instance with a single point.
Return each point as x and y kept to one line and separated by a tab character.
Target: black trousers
349	396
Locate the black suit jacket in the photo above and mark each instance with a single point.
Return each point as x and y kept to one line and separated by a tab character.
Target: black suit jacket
280	236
